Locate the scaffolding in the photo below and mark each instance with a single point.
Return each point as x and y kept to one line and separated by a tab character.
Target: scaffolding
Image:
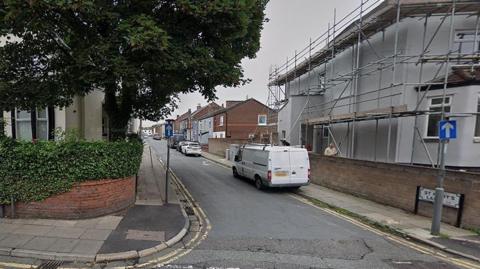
353	32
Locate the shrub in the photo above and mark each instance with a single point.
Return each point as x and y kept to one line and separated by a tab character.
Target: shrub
33	172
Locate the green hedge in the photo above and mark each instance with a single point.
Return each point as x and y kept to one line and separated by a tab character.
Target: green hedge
33	172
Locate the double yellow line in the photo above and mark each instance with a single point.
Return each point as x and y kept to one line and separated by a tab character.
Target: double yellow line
420	248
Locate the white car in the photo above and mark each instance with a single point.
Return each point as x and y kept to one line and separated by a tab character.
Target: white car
272	166
192	148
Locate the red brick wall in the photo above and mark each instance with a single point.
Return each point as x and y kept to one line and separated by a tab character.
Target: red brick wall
395	184
86	200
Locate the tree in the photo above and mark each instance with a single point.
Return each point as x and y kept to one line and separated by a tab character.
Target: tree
142	54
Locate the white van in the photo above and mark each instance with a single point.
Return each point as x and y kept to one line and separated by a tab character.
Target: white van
272	166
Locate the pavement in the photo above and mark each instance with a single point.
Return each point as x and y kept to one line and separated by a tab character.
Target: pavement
454	240
143	229
277	229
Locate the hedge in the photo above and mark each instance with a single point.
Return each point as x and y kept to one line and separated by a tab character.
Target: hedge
33	172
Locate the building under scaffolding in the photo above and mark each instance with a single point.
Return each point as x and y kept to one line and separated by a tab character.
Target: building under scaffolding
378	81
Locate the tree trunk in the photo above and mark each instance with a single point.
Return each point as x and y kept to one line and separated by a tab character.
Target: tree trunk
119	110
2	124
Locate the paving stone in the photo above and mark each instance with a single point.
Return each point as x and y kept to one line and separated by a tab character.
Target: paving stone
37	230
96	234
47	222
15	240
65	245
3	235
40	243
108	222
87	223
66	232
87	246
9	227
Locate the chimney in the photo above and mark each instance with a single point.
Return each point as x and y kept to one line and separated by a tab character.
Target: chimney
199	106
222	105
178	116
232	103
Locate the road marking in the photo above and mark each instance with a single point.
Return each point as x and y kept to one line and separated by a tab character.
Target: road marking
399	240
15	265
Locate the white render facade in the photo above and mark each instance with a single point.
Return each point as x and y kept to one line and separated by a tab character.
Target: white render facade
205	130
333	90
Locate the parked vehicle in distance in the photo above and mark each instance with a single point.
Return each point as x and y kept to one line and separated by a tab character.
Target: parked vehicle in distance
175	139
192	148
272	166
180	144
157	137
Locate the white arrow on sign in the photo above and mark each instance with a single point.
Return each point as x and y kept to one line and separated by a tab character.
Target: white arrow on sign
169	127
447	127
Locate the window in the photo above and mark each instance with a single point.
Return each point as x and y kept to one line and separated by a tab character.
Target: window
465	42
435	106
284	134
325	131
477	123
23	125
262	119
221	121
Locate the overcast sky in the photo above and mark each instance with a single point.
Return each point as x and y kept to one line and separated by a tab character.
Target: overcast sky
291	25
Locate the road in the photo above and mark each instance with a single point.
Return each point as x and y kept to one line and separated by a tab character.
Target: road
272	229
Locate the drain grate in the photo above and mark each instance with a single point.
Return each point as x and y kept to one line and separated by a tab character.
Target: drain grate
189	210
51	265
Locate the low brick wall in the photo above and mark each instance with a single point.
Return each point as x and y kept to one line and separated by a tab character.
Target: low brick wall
86	200
396	184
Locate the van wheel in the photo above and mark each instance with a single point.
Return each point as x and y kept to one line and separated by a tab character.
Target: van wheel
235	172
258	183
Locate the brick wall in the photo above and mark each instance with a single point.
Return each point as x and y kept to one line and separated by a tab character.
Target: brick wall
395	184
86	200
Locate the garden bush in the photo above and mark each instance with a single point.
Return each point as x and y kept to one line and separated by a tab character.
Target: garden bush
35	171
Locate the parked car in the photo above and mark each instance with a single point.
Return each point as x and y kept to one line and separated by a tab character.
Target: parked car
175	139
272	166
192	148
157	137
180	144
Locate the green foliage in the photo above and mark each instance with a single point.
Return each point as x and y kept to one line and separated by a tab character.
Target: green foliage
33	172
140	53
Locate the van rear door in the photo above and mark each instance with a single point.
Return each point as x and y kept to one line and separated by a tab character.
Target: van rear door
280	167
299	165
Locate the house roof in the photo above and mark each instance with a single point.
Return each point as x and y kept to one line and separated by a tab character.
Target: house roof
184	116
375	20
211	106
223	110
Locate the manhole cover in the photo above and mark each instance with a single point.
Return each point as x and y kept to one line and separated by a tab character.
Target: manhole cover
50	265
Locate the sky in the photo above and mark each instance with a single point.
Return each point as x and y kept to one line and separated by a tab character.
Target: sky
290	27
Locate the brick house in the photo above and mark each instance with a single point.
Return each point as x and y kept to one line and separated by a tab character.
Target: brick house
197	115
183	124
249	119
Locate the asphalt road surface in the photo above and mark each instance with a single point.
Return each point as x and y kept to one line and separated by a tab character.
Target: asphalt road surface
258	229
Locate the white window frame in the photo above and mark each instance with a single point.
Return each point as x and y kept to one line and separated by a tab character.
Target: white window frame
17	119
476	138
427	119
258	120
220	122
